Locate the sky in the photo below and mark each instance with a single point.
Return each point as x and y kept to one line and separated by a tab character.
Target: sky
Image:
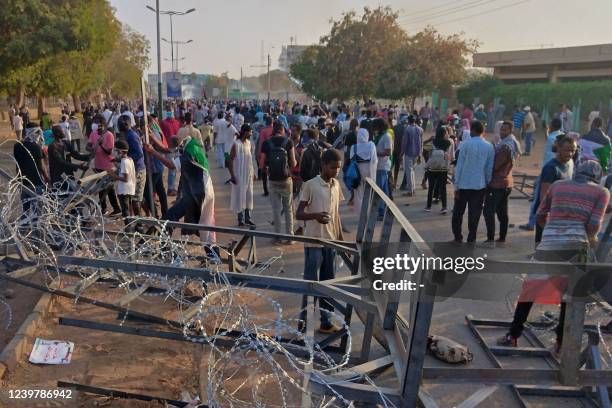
227	34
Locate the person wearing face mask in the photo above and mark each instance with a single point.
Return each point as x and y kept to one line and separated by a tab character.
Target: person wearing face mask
60	155
29	157
101	143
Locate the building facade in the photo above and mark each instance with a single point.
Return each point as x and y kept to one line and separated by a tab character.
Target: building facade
592	62
289	55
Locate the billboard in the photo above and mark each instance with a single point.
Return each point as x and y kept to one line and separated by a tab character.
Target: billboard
174	85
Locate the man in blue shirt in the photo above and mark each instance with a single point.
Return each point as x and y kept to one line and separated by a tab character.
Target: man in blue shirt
412	146
473	173
517	118
549	154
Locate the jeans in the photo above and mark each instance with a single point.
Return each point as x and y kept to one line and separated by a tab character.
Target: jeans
409	182
220	155
171	176
496	202
528	142
382	181
319	265
280	197
533	209
473	200
437	184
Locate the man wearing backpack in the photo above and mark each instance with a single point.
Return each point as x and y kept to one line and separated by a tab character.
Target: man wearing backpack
276	158
310	164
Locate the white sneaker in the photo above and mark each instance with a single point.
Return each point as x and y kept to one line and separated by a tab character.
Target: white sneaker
427	209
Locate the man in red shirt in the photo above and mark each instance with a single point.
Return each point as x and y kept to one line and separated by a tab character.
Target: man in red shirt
264	134
170	127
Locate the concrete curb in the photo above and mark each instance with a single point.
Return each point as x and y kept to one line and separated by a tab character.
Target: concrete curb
19	345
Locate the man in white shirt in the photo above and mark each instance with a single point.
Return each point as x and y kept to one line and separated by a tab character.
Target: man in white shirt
238	119
125	111
219	124
18	126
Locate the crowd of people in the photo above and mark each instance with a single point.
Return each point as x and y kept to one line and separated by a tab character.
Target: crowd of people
298	151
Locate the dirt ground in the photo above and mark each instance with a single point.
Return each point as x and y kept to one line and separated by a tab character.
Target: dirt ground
165	368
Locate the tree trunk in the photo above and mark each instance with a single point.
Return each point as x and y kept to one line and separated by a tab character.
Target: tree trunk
76	101
42	105
20	96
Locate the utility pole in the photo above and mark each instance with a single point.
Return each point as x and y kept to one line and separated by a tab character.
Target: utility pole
160	103
269	62
170	13
172	42
240	82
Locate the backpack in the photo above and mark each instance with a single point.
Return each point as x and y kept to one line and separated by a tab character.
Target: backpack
352	175
310	165
437	160
278	161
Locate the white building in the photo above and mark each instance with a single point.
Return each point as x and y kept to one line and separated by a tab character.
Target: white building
289	55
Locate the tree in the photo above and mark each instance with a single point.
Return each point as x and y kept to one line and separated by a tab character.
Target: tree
87	67
349	57
279	81
32	31
126	64
424	63
305	71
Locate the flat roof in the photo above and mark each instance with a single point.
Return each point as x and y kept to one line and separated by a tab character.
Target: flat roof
545	56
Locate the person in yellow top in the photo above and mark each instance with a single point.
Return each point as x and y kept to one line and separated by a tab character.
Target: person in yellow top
206	130
320	209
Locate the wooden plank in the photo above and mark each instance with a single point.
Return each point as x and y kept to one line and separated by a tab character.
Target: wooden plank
476	398
131	296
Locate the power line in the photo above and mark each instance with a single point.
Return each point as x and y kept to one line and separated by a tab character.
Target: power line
484	12
458	9
424	11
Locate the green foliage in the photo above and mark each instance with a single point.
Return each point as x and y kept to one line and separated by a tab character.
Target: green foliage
125	65
32	30
372	55
279	81
592	95
424	63
349	57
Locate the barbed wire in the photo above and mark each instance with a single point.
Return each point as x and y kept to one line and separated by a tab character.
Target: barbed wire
67	219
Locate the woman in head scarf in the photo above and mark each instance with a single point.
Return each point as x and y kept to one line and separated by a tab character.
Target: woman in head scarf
364	152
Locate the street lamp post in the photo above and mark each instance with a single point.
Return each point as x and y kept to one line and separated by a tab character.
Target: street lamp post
177	50
170	13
